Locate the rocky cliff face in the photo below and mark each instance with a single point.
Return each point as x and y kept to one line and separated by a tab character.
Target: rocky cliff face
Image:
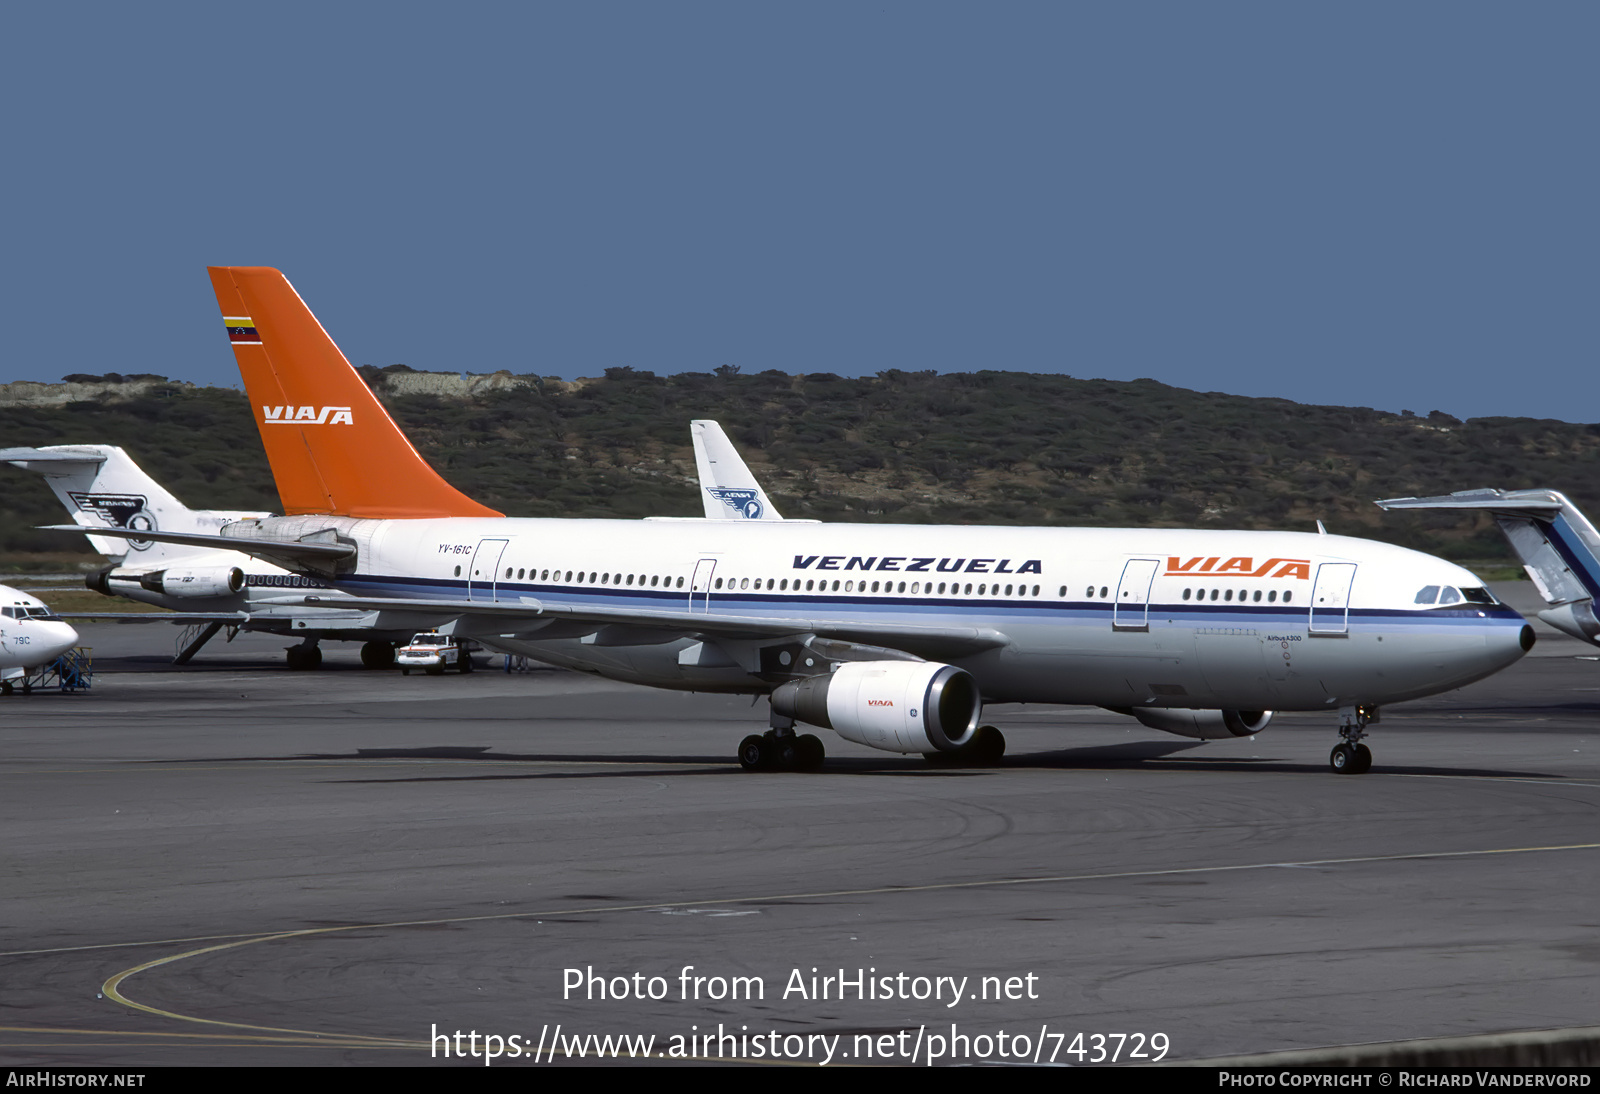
451	385
33	393
448	385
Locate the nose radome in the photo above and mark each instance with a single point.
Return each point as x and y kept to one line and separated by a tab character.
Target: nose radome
61	638
1508	645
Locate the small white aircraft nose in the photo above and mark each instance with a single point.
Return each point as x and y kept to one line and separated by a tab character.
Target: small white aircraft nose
55	639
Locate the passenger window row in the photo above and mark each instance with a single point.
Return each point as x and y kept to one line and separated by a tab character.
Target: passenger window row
914	588
1226	595
770	584
1254	596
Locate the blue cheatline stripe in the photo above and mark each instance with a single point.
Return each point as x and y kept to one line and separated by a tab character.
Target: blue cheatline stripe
848	609
1576	553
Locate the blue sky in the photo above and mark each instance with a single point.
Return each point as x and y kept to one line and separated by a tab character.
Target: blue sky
1387	205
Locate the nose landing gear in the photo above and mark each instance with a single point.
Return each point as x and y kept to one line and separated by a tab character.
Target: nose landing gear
1350	756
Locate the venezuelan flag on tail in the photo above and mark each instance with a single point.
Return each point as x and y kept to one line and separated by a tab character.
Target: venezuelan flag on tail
332	446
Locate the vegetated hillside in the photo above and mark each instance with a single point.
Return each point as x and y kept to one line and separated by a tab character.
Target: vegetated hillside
967	448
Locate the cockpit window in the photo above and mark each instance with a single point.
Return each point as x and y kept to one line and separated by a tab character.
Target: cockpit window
1478	596
1449	596
1428	595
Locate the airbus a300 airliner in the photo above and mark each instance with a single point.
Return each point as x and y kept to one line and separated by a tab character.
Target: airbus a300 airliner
893	636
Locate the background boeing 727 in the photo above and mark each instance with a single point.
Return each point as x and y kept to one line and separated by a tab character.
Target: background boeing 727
892	636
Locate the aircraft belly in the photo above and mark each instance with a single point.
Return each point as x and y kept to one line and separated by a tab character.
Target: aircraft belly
1234	664
1367	666
1093	664
655	665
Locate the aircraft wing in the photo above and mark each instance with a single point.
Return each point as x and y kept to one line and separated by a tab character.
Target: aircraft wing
289	553
930	641
161	617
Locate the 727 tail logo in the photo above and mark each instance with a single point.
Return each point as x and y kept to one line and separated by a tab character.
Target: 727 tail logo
306	415
1238	567
119	511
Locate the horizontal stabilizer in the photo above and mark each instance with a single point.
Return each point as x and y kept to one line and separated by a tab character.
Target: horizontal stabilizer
288	553
1532	502
55	454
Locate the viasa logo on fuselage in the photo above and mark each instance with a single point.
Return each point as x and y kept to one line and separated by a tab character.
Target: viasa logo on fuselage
306	415
1238	566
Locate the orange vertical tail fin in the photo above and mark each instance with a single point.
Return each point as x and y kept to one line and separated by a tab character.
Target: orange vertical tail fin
332	446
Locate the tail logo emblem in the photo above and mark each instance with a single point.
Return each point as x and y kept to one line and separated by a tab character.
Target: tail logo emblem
745	502
306	415
119	511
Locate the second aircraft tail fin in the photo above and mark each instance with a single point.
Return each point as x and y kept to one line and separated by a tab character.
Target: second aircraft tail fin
332	446
100	486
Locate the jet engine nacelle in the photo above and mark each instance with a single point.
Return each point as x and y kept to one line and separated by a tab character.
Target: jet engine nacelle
207	581
1207	725
898	706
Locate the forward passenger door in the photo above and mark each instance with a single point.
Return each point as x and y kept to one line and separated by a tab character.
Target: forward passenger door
1132	611
1330	600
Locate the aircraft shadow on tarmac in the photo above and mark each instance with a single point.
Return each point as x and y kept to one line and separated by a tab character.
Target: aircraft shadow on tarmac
1156	756
1525	710
266	662
1133	756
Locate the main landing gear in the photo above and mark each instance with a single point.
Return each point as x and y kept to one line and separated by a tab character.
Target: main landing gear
307	655
377	655
781	750
1350	756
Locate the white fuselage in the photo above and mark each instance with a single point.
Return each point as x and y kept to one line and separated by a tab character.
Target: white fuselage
1113	617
